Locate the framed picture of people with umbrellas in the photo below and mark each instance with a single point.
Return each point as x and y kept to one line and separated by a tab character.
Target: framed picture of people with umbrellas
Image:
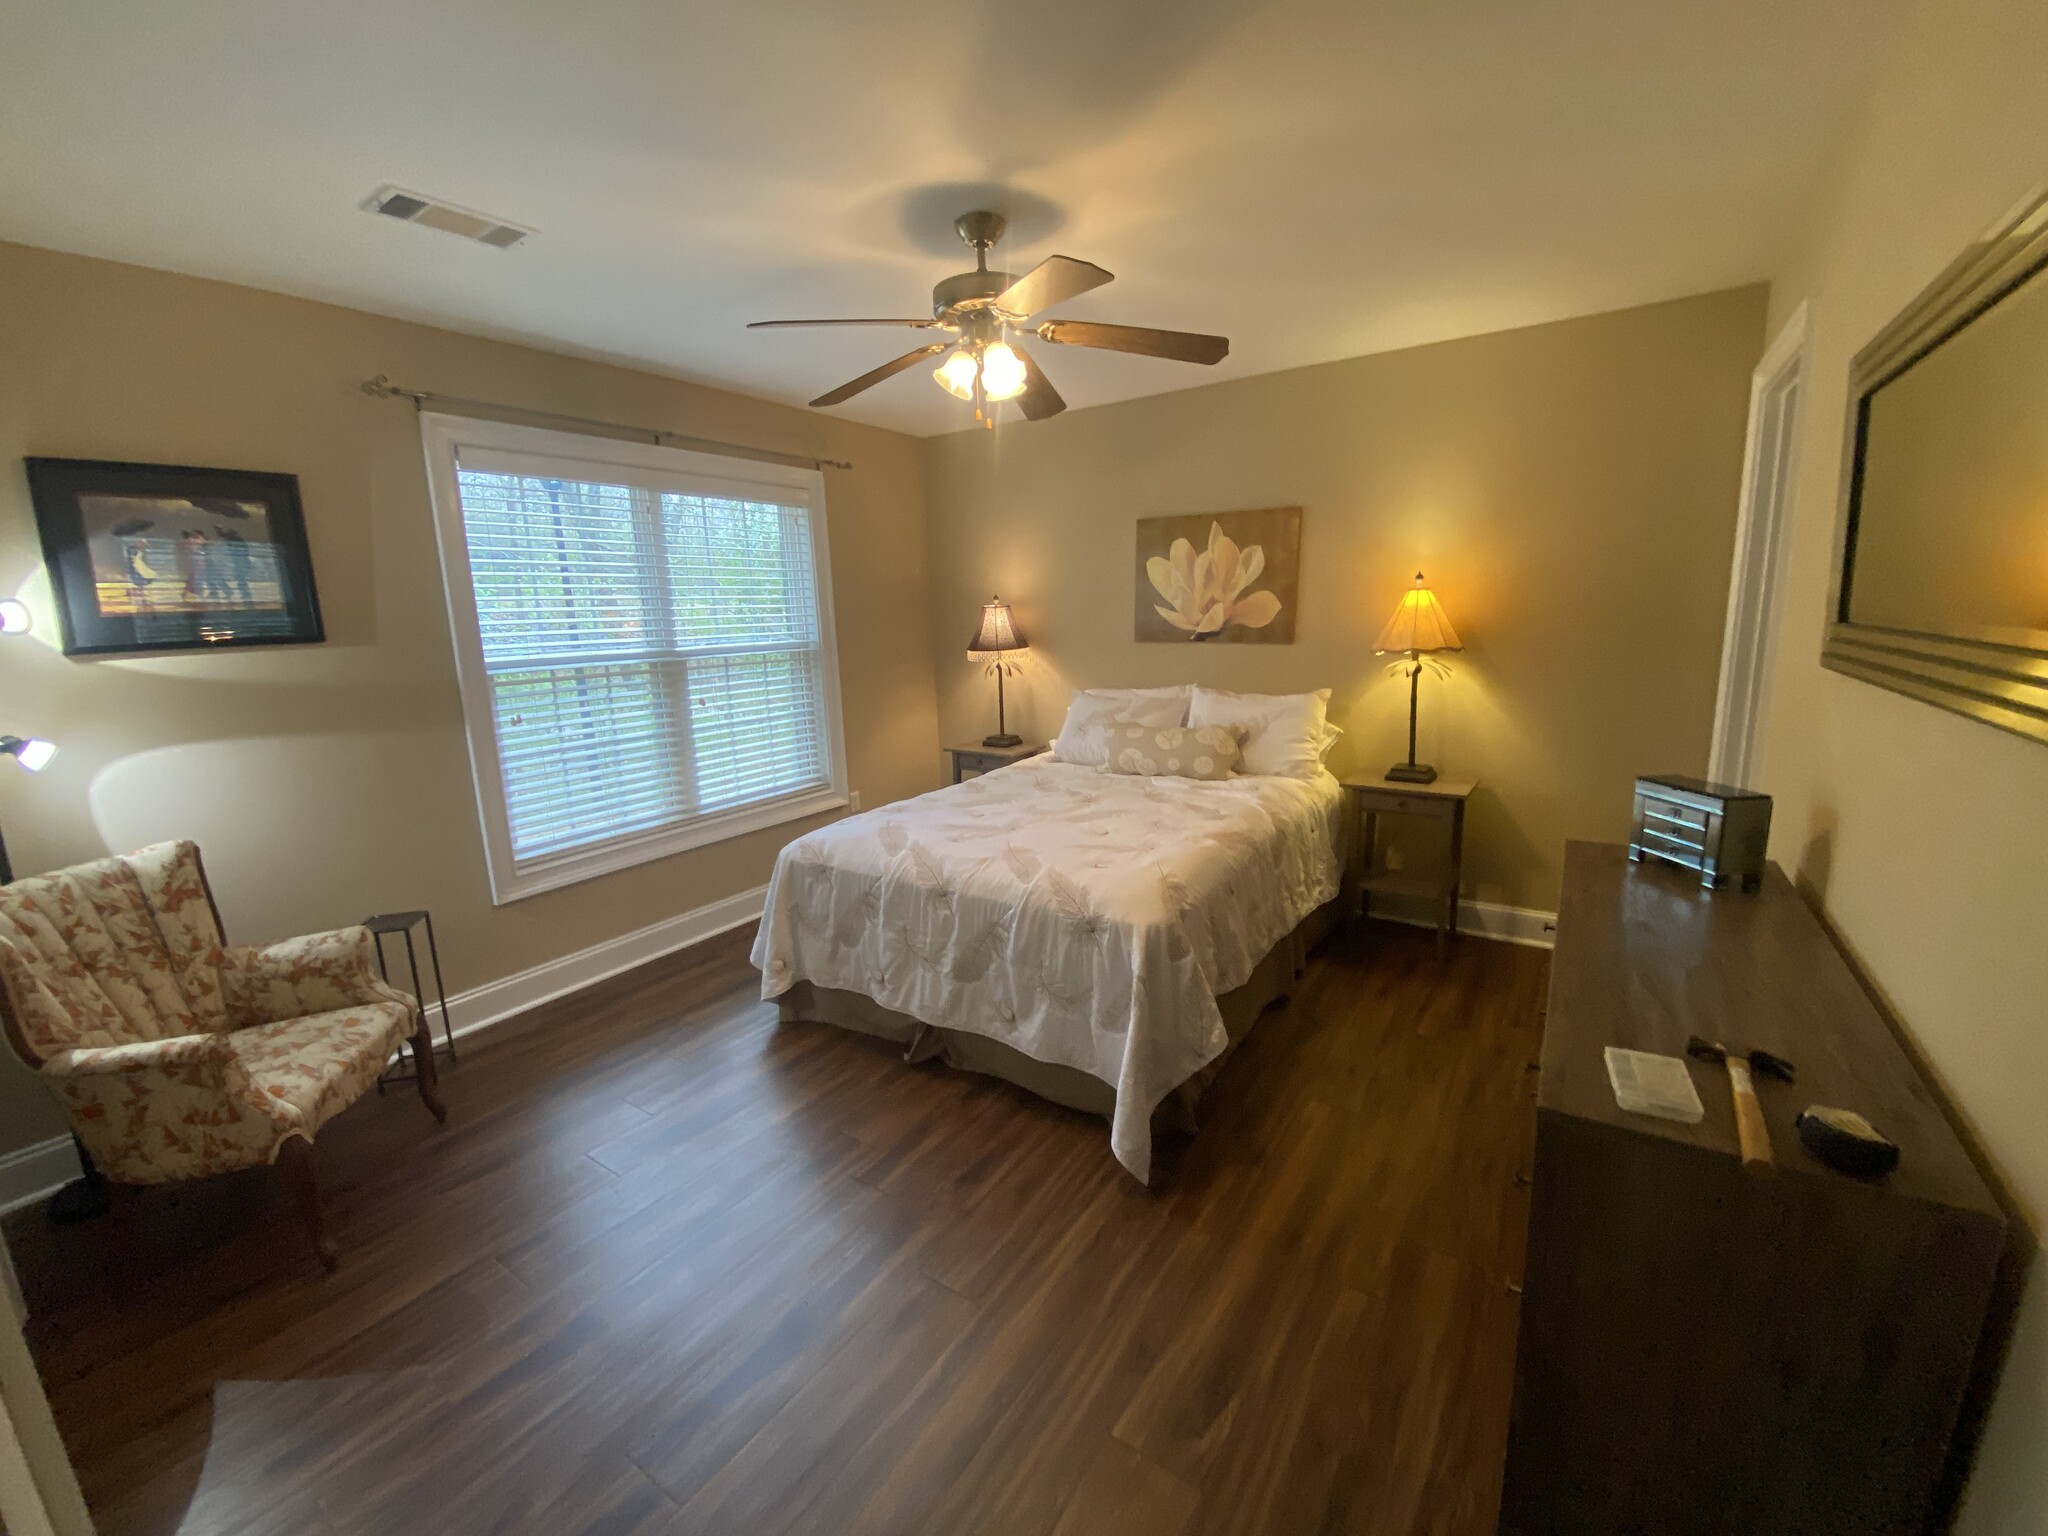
163	557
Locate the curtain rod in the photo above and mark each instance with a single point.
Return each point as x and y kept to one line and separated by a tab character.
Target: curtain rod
383	389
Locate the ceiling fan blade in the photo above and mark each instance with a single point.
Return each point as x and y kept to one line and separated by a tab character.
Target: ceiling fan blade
888	370
781	325
1039	399
1053	281
1181	346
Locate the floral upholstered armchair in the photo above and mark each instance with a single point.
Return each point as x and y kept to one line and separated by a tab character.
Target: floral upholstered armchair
177	1055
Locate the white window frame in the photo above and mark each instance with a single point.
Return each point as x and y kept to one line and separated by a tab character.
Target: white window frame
443	437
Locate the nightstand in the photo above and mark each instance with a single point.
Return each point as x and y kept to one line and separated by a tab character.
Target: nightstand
977	758
1442	802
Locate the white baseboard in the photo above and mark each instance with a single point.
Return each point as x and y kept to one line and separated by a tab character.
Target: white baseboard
1483	919
29	1173
496	1001
32	1172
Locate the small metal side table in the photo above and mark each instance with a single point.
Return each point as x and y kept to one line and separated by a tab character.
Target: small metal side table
386	923
977	758
1443	802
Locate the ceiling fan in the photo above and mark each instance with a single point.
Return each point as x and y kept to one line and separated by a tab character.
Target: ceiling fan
981	310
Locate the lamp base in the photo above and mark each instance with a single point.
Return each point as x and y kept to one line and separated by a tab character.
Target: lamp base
1411	773
1004	740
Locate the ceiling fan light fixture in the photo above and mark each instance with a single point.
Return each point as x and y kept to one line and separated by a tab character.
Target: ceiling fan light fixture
1002	372
956	375
979	310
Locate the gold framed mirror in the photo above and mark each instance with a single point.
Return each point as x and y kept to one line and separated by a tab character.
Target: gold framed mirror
1940	584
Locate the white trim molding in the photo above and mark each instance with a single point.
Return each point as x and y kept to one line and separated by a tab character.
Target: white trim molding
1763	521
495	1001
38	1490
1480	919
29	1173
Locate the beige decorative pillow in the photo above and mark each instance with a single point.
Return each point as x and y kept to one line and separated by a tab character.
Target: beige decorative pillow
1185	752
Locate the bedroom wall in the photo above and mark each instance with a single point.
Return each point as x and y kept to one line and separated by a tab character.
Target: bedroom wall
1569	489
326	782
1924	835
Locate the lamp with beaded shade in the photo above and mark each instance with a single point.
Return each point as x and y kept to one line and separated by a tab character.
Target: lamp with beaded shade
1419	628
998	642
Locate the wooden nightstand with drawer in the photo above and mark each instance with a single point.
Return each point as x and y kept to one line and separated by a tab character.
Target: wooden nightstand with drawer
1442	801
980	758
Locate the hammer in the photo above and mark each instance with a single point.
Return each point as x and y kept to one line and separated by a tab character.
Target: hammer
1749	1115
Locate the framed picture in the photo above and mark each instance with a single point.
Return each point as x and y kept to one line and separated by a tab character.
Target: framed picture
1232	578
164	557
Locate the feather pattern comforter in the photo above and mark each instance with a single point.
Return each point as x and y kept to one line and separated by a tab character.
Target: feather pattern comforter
1084	918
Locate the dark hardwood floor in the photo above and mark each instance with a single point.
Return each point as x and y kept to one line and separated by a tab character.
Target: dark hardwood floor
673	1268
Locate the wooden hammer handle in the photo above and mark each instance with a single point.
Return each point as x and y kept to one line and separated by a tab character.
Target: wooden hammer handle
1749	1122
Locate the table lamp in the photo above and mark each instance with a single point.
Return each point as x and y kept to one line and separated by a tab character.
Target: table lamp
996	642
1418	628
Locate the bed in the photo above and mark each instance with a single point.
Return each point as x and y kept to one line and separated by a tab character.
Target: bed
1102	939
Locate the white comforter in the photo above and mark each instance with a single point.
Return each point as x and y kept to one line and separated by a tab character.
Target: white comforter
1083	917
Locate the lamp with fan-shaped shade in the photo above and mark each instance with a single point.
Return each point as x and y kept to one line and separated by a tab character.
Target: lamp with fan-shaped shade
997	641
1419	628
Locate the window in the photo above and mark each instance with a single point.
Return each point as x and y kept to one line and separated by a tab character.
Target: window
644	643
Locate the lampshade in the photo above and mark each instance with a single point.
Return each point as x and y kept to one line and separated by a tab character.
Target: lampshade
956	375
1002	371
998	630
1419	624
31	752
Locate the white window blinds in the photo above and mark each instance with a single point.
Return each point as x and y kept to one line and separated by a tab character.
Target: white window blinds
651	647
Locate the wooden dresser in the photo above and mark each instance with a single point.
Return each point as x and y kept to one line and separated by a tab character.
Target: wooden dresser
1704	1353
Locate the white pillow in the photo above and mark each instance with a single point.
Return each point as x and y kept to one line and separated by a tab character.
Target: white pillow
1286	734
1083	738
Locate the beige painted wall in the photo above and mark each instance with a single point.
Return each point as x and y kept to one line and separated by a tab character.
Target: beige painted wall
1926	834
326	782
1570	490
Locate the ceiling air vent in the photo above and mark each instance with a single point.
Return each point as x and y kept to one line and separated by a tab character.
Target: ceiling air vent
396	203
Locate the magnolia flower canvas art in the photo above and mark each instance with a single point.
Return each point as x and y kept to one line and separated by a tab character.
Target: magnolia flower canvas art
1228	577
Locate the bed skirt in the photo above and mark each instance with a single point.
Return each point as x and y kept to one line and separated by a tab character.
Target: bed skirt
1272	981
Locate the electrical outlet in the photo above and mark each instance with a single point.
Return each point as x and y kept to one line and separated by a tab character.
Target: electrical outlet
853	800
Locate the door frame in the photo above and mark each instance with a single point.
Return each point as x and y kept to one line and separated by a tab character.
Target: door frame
1763	521
38	1490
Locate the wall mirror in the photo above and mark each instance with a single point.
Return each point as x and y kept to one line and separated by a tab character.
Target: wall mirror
1941	552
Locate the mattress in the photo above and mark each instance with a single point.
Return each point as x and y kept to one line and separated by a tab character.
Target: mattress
1085	919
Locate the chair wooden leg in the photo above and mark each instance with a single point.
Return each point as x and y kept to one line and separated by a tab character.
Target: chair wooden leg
295	1157
424	1072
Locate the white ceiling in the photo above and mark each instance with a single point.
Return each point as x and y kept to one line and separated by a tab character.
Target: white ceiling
1314	178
